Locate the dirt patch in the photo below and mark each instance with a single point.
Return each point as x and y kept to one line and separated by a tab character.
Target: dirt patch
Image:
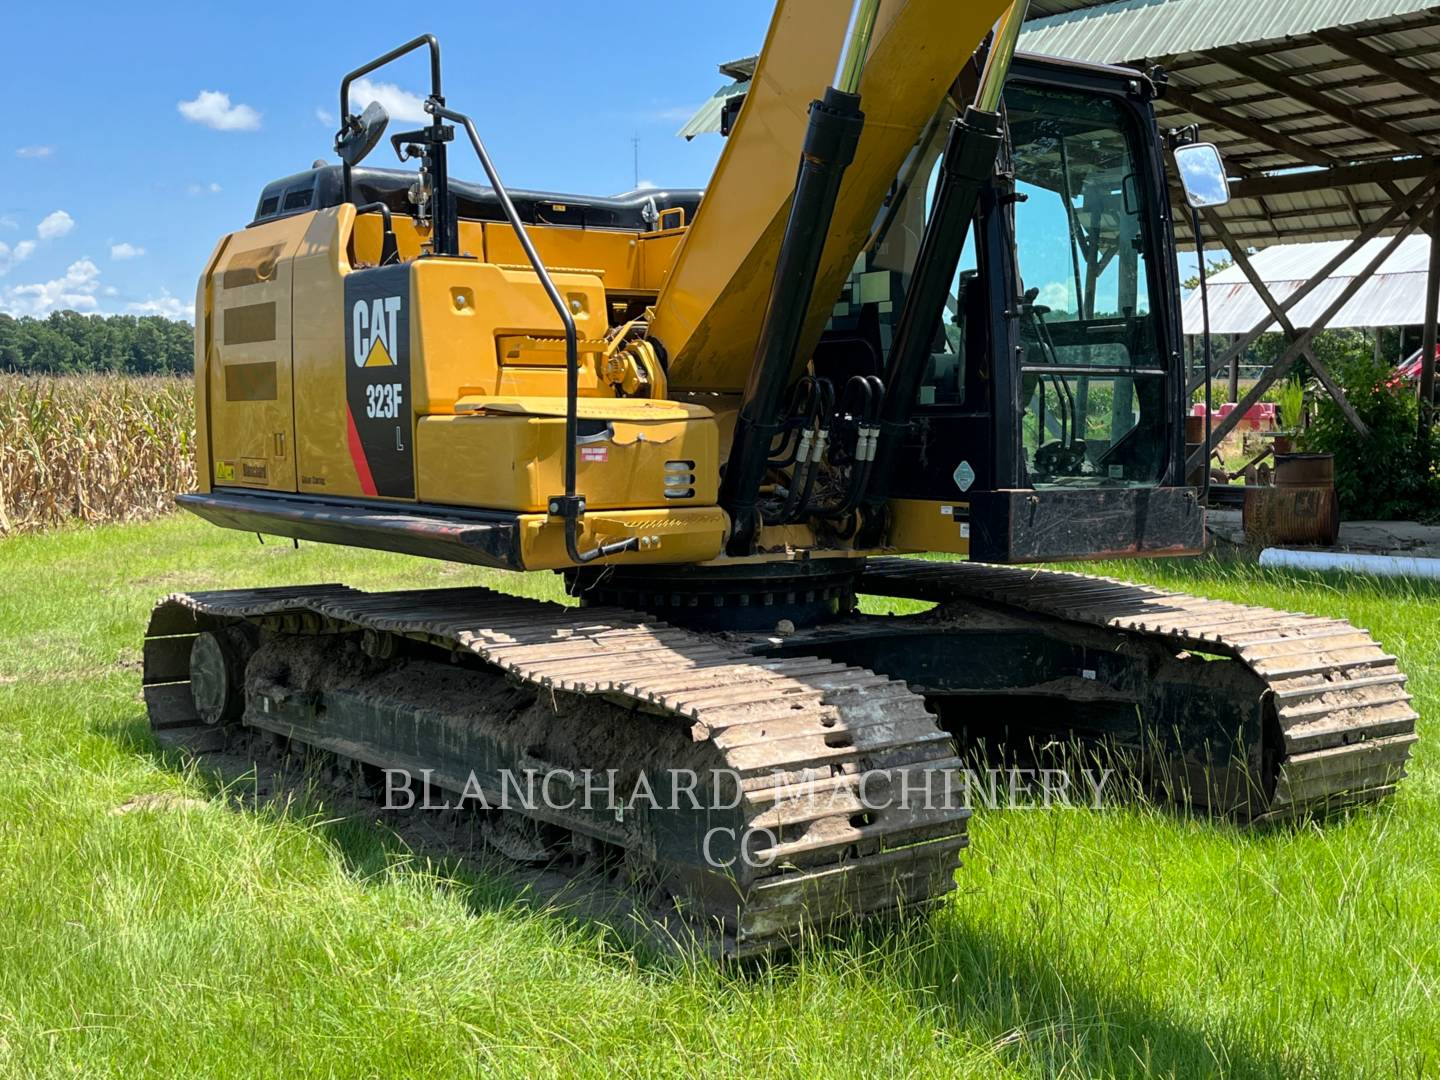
159	802
129	660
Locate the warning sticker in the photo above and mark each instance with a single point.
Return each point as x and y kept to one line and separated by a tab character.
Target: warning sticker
964	476
594	453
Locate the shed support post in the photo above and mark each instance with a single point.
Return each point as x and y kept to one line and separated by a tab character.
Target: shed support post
1427	343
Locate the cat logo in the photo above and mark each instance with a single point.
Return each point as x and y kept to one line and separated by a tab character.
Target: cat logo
375	336
379	422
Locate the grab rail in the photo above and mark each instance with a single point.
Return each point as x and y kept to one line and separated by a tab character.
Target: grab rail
570	505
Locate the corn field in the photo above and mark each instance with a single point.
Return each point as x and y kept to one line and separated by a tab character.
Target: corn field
92	448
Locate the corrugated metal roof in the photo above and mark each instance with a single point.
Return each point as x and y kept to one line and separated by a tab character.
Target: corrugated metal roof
1301	262
1280	84
1394	296
1133	29
707	117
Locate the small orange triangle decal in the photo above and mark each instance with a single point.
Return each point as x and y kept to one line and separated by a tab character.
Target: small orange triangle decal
379	356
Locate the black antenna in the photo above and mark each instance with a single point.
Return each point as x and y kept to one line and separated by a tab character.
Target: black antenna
635	146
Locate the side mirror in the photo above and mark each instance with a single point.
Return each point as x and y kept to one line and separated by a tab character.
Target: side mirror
1202	175
359	134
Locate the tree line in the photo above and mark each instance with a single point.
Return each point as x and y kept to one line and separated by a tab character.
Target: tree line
66	342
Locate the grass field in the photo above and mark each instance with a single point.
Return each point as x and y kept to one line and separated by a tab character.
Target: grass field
187	937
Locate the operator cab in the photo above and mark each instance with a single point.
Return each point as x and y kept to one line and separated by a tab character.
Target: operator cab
1057	364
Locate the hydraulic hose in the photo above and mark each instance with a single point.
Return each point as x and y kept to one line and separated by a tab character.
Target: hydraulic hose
830	142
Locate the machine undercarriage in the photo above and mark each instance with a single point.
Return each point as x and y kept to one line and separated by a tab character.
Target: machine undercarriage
770	782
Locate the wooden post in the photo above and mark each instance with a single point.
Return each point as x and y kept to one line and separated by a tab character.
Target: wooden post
1427	343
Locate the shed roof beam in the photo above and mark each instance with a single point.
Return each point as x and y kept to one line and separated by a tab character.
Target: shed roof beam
1219	114
1339	176
1316	99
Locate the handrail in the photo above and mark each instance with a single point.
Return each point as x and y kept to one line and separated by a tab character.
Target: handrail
571	505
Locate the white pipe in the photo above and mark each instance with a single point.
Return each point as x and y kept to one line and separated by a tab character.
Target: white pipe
1379	565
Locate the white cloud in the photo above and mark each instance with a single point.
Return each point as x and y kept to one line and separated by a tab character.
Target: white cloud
52	227
213	109
126	251
55	225
35	151
1057	296
400	104
212	188
13	256
76	291
9	221
325	116
165	304
646	185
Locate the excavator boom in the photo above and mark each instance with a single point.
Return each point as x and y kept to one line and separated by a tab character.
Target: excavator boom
709	313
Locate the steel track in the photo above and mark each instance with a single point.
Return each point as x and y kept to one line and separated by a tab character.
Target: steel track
1344	720
800	733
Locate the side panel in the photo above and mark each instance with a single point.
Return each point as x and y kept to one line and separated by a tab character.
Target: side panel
516	462
322	445
464	310
249	381
923	525
204	357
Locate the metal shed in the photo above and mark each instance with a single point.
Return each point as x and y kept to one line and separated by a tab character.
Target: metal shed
1326	111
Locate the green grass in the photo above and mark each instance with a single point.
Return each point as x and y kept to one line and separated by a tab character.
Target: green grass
198	939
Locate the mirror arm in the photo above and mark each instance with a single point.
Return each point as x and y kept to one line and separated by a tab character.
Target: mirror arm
1195	226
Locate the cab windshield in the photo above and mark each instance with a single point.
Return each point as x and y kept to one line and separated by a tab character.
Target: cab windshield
1092	380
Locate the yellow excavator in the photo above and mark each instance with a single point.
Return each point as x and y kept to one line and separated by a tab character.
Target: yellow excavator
928	303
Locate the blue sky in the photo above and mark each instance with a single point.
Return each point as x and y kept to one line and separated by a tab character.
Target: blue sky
113	191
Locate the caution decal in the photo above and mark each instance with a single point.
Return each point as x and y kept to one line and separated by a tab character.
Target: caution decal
379	424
